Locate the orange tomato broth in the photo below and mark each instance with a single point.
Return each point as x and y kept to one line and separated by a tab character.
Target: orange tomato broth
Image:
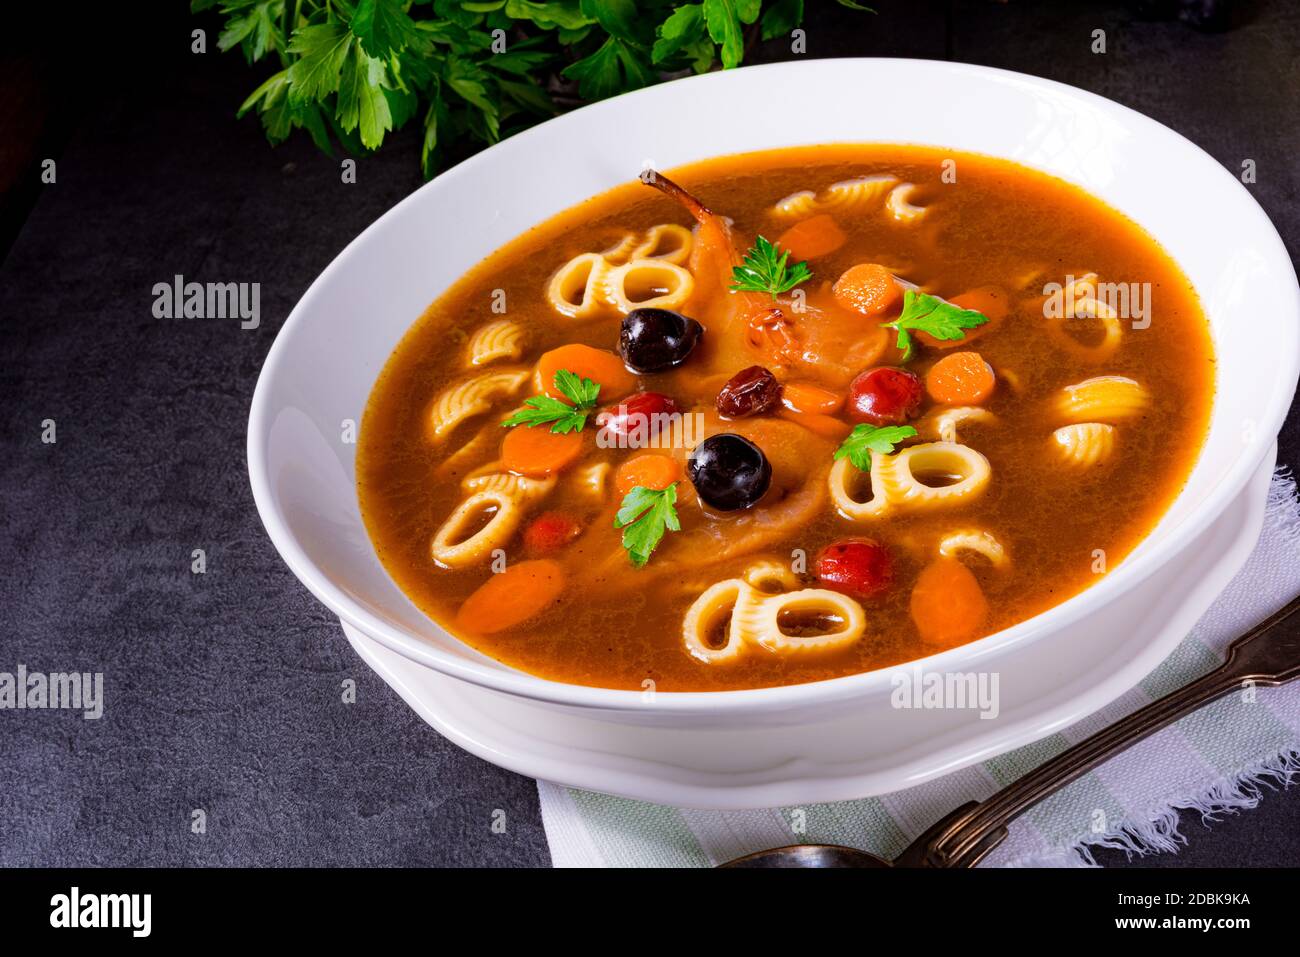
616	626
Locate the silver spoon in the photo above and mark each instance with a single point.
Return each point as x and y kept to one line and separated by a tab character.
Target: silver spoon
1269	654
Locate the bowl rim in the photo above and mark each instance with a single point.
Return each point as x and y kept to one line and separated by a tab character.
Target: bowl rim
1127	575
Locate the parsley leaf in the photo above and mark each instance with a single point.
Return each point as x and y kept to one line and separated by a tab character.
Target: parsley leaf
781	17
541	409
383	27
361	98
644	515
865	439
765	271
548	16
932	315
322	48
726	20
614	68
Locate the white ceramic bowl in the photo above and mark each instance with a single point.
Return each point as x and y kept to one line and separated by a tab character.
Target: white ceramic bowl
832	739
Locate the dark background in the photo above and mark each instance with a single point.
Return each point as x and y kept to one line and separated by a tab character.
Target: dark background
223	689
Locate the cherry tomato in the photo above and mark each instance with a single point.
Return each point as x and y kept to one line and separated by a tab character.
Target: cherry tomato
858	567
635	416
550	531
885	395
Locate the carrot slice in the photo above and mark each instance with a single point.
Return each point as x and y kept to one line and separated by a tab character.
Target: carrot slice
537	452
586	363
818	236
648	471
867	287
990	300
948	605
960	378
822	425
806	397
513	596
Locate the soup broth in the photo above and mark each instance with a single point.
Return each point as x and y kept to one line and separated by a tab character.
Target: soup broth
1051	430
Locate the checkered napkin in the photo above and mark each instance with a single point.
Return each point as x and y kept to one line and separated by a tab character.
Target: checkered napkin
1212	761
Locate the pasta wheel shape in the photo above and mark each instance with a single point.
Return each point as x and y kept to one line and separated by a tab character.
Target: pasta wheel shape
896	484
849	196
770	576
577	289
1105	398
487	437
944	423
647	283
709	612
587	285
593	480
1079	301
502	339
755	614
491	478
974	540
454	546
470	398
498	502
666	242
899	206
622	250
1085	443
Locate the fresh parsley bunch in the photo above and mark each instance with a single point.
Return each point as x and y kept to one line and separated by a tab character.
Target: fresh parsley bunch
351	71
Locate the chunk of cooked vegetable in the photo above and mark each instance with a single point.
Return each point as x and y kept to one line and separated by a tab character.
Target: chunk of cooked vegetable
960	378
511	597
948	606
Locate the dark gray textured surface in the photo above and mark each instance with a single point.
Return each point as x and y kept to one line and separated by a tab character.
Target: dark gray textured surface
223	689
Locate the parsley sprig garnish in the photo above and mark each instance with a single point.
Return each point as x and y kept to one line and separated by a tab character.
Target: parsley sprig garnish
644	516
564	417
930	314
865	439
766	270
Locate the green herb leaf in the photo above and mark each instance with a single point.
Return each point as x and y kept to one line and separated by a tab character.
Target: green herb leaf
254	27
322	49
383	27
865	439
619	18
564	15
614	68
362	103
765	270
930	314
644	515
565	417
683	28
726	20
781	17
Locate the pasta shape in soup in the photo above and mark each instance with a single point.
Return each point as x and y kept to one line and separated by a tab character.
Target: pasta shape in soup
784	417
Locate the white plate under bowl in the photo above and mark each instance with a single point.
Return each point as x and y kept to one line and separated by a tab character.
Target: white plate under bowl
1070	660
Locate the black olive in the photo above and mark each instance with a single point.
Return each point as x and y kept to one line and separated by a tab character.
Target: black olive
652	340
729	472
